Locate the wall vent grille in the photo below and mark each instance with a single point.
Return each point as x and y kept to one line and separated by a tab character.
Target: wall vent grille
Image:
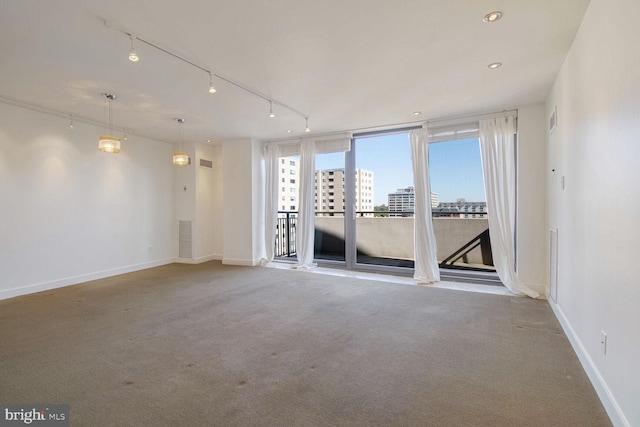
185	241
206	164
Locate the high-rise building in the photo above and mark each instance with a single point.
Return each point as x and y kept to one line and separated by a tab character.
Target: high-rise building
288	183
434	200
402	202
330	193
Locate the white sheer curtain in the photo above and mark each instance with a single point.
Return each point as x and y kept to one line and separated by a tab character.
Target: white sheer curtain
426	253
497	149
305	232
271	154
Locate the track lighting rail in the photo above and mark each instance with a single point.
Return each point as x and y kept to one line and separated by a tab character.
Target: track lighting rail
229	80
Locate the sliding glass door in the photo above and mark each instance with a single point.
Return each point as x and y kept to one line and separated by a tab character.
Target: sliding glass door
383	202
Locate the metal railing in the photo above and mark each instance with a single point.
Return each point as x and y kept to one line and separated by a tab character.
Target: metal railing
286	234
483	240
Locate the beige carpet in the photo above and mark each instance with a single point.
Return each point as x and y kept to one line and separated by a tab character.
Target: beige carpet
205	345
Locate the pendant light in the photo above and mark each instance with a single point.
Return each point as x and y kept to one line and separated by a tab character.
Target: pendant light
108	143
180	158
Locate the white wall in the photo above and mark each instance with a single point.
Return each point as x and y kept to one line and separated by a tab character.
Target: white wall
209	204
70	213
532	198
242	189
596	148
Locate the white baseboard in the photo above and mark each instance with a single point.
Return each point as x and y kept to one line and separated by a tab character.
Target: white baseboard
237	261
199	260
604	393
74	280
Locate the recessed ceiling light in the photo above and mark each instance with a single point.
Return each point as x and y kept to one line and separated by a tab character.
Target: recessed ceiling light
209	141
492	17
495	65
417	113
288	130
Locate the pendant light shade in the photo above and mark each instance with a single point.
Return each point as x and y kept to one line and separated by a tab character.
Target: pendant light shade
180	158
108	143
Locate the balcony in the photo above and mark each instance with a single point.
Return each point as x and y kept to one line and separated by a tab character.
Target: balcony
463	243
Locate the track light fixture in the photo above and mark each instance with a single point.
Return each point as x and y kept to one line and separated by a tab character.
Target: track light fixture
133	56
70	121
211	88
306	121
271	109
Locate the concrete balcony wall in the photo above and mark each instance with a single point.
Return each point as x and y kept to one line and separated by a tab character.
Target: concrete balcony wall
393	237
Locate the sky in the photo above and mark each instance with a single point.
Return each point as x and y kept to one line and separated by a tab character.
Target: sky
455	169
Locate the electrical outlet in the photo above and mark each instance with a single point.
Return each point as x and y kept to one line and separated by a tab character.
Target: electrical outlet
603	342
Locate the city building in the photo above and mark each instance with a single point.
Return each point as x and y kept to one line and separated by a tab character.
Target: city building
465	209
288	183
330	192
402	202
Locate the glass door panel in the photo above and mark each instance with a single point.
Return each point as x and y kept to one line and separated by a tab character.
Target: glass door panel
384	201
330	207
460	213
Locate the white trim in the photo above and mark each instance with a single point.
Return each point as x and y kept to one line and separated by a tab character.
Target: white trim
199	260
238	261
604	393
74	280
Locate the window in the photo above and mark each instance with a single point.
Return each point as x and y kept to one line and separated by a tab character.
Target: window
292	162
292	181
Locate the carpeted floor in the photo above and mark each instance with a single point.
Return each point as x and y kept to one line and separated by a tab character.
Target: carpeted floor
208	344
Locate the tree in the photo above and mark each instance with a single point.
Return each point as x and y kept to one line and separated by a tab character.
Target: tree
383	209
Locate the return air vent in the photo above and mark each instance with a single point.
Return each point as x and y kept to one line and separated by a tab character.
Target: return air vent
206	164
185	242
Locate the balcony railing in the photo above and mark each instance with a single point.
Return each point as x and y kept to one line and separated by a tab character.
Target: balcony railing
388	240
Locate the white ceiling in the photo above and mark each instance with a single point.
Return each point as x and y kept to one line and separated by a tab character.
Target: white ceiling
347	64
